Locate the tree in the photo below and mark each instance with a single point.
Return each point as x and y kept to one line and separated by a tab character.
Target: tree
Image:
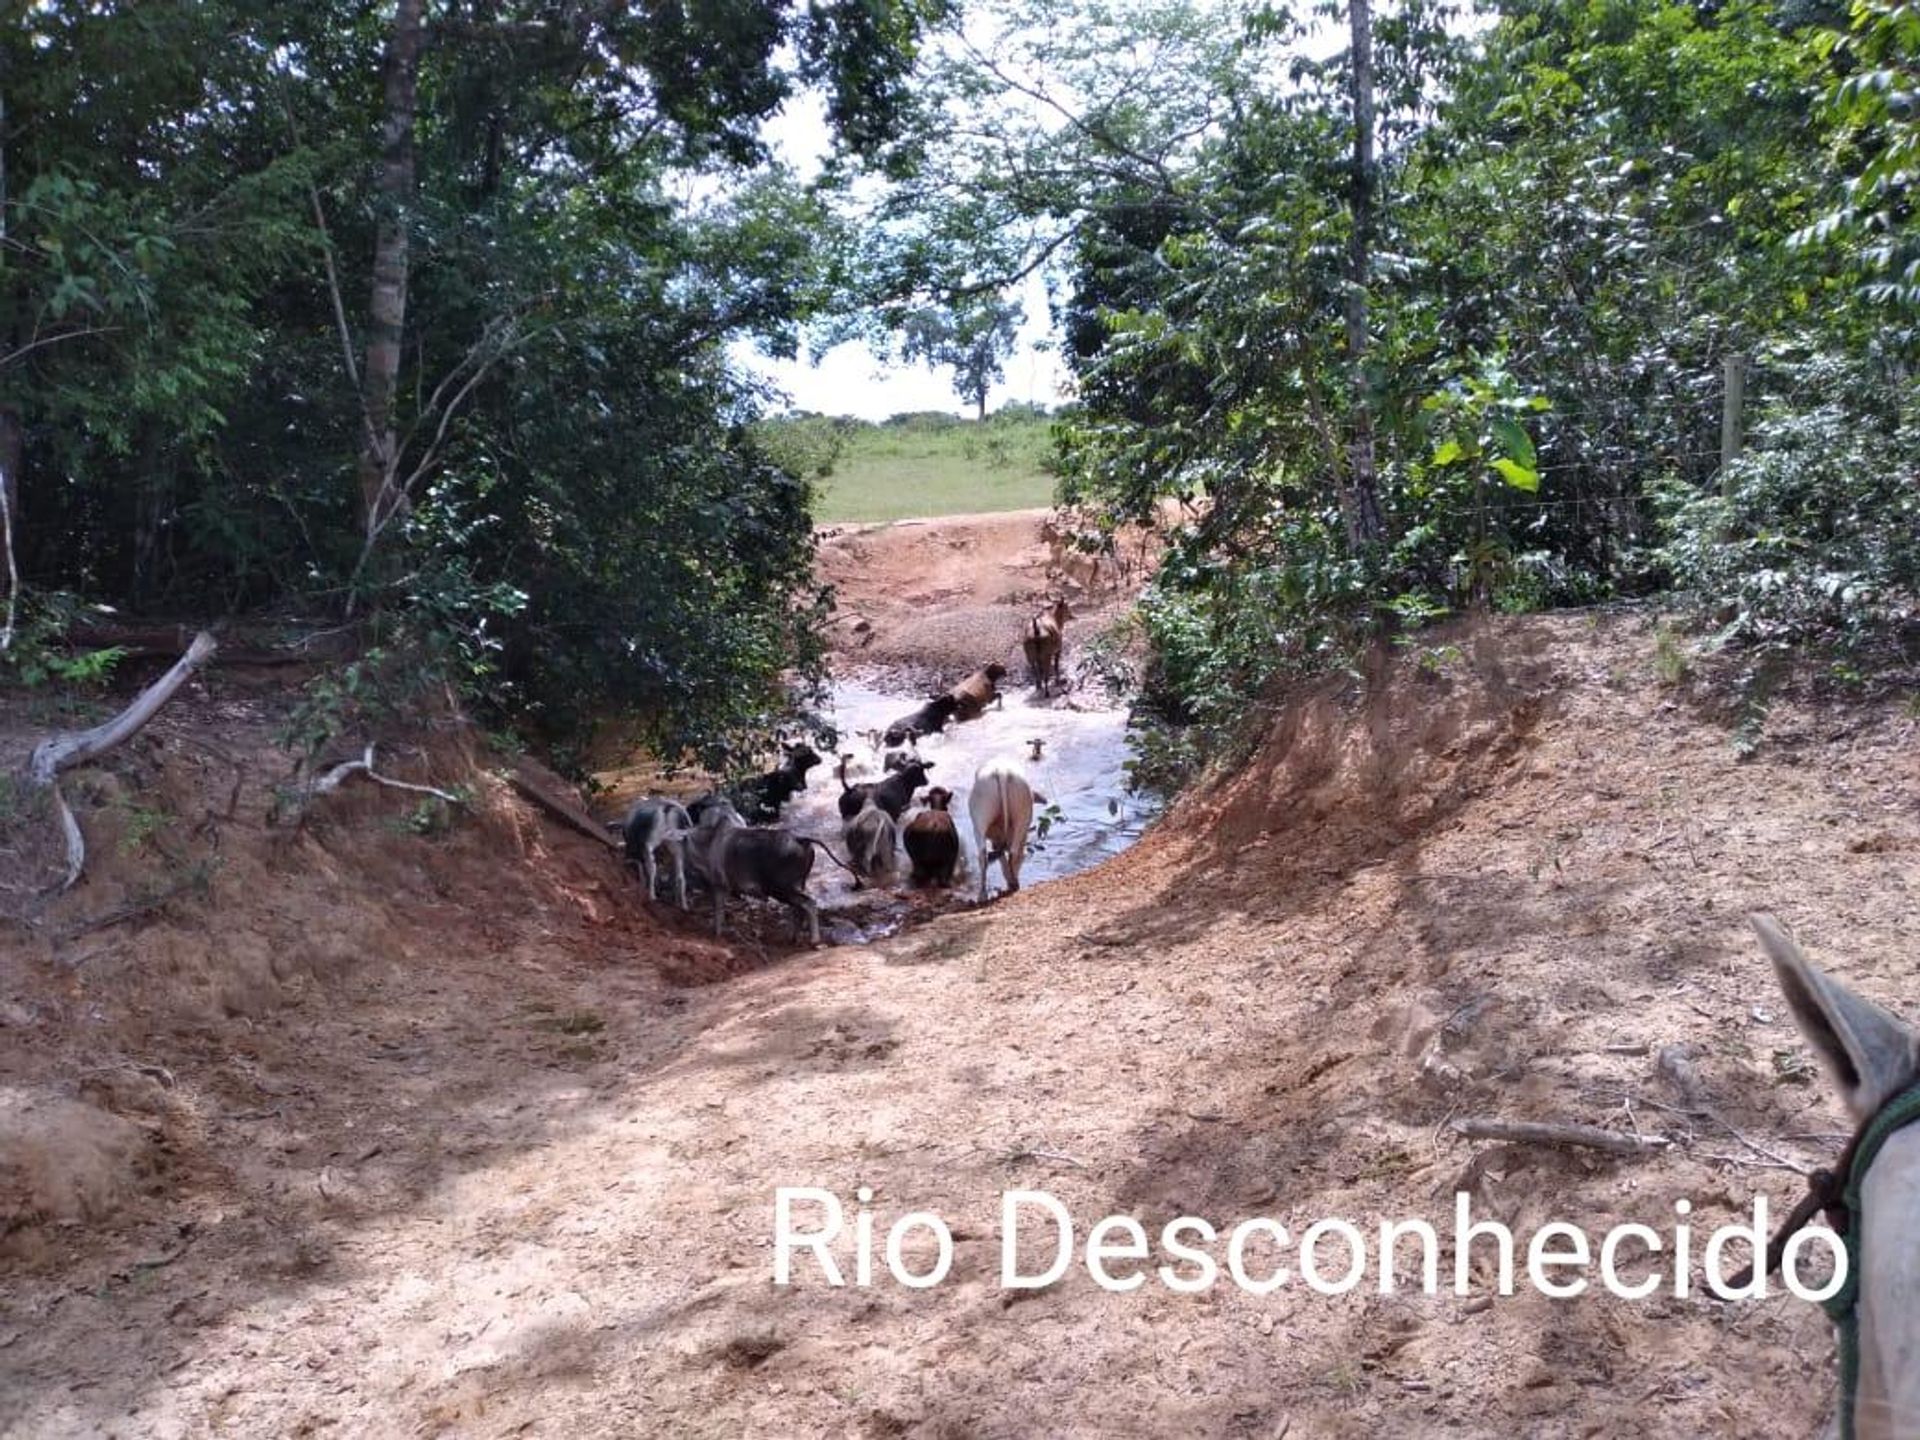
1361	495
316	307
973	338
386	332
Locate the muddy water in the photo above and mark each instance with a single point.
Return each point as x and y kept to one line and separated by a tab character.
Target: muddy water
1080	773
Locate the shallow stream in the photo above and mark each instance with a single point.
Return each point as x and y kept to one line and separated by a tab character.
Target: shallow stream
1081	774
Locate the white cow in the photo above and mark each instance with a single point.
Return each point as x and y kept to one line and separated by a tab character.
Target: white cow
1001	808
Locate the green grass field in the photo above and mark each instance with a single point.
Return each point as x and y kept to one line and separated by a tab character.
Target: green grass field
918	465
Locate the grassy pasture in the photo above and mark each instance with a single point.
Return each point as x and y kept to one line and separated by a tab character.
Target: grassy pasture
917	465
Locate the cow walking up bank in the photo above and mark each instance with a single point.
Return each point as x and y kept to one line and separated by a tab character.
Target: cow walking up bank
1042	641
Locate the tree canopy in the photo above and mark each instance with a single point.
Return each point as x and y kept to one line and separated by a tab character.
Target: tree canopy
415	317
252	249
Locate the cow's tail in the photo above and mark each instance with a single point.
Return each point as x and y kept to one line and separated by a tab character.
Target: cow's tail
821	844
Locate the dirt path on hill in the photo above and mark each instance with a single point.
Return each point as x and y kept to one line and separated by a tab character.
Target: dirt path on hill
939	598
498	1169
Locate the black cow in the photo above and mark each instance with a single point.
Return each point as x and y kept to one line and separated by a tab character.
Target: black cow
891	794
930	719
761	798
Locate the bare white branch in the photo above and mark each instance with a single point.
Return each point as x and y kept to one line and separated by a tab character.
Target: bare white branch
13	570
76	747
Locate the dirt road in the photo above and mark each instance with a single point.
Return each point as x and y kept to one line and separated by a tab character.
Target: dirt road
497	1169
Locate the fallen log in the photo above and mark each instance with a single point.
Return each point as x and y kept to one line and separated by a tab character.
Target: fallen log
550	793
257	644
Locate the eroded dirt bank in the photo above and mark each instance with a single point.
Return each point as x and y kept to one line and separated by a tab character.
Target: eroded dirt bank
490	1173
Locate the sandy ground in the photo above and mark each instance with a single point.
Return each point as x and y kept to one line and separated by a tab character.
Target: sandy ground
485	1159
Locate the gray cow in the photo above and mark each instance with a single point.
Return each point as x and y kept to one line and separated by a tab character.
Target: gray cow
872	838
741	859
650	825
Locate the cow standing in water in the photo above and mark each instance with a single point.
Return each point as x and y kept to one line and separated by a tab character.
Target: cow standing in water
1042	643
933	844
1001	808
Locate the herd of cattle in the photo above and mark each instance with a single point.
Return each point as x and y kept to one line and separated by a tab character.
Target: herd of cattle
725	842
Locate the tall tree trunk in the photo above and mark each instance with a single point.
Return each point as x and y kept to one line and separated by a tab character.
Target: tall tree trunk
381	376
12	435
1361	502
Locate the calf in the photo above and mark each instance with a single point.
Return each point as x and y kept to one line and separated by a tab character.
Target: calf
979	690
762	797
895	793
740	859
930	719
701	804
872	838
1042	644
1001	808
650	825
891	794
933	844
853	793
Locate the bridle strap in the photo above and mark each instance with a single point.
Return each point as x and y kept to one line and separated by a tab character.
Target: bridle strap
1836	1192
1826	1193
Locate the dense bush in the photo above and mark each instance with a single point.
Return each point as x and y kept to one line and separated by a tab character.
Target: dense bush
1810	543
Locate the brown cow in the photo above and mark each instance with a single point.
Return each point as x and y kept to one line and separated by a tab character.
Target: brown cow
979	690
1043	644
933	844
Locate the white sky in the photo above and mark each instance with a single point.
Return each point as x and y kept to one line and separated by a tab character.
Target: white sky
850	379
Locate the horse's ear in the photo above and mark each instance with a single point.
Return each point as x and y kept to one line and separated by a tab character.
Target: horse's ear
1870	1054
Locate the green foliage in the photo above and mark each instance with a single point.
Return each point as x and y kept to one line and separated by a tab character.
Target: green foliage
972	336
1584	213
430	817
1221	635
809	446
39	655
344	702
1811	545
1873	105
1670	660
141	824
189	203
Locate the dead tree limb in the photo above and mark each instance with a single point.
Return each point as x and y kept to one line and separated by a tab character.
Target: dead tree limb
76	747
13	570
335	777
550	793
1529	1132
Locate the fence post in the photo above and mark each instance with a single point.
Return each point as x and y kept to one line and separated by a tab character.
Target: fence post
1732	402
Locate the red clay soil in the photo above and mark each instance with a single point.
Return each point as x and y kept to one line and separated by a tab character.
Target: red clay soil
405	1134
939	598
